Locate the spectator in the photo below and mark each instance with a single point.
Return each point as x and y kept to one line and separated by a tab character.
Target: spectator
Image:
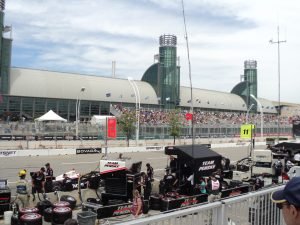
214	188
137	204
288	200
202	186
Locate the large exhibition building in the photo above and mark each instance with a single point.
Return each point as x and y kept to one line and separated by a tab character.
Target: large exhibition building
30	93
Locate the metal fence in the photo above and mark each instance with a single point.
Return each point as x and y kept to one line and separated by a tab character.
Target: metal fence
254	208
145	131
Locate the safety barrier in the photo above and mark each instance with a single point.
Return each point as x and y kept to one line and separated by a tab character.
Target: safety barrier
250	209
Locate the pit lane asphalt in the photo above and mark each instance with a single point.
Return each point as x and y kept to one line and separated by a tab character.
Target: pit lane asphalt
10	166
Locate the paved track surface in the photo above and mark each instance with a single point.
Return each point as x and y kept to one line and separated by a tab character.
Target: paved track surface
9	167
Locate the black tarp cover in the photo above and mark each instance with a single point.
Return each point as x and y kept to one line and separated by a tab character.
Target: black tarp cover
200	158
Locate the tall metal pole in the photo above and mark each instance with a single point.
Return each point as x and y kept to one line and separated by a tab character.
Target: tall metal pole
247	114
139	108
190	73
77	110
136	110
278	42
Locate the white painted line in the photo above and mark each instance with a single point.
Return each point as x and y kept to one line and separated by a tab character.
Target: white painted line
75	163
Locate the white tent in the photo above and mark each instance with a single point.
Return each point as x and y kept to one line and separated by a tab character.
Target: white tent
50	116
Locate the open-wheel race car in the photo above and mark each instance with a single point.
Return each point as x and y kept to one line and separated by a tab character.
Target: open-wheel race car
68	181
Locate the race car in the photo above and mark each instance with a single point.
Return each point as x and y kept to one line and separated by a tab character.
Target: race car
68	181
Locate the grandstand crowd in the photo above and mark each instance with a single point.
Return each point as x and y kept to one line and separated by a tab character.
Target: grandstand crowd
160	117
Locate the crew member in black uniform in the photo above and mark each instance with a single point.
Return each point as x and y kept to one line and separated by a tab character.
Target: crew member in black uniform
145	185
150	172
48	178
168	180
38	182
278	167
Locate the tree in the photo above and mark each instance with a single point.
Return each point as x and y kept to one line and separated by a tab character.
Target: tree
175	120
126	123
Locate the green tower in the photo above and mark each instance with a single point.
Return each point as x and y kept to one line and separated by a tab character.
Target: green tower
250	77
164	76
5	53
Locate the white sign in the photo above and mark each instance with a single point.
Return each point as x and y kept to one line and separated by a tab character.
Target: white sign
207	165
7	153
107	166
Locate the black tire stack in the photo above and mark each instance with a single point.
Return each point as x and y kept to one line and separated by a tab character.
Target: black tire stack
23	211
71	200
60	215
31	219
61	211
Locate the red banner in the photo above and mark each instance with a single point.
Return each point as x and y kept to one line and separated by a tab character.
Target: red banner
111	127
188	116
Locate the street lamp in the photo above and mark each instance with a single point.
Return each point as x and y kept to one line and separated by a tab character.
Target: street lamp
261	116
77	114
278	42
137	106
247	115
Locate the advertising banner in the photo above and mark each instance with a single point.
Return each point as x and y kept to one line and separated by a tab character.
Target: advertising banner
88	151
8	153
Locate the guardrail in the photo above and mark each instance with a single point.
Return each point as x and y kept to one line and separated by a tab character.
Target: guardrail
252	209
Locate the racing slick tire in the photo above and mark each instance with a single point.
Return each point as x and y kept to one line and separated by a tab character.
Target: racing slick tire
71	200
23	211
43	205
31	219
48	214
155	202
61	214
61	204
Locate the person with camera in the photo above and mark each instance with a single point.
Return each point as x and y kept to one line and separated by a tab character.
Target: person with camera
38	182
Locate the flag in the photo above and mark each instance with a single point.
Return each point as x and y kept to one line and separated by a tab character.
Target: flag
188	116
108	94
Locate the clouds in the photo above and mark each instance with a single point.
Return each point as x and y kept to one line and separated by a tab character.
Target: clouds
85	36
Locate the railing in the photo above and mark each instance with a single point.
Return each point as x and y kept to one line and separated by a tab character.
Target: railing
146	132
254	208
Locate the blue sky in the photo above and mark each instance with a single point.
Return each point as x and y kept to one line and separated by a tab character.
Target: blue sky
85	36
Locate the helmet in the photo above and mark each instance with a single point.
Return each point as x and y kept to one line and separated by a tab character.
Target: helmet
22	173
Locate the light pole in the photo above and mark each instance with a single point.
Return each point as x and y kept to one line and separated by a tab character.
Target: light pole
261	116
247	115
278	42
77	113
137	106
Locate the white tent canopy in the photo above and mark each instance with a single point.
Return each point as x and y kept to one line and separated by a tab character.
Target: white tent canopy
50	116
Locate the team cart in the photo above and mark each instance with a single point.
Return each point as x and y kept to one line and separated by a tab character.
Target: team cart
116	180
197	161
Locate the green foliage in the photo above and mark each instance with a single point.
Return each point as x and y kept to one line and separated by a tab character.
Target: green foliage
174	120
126	122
